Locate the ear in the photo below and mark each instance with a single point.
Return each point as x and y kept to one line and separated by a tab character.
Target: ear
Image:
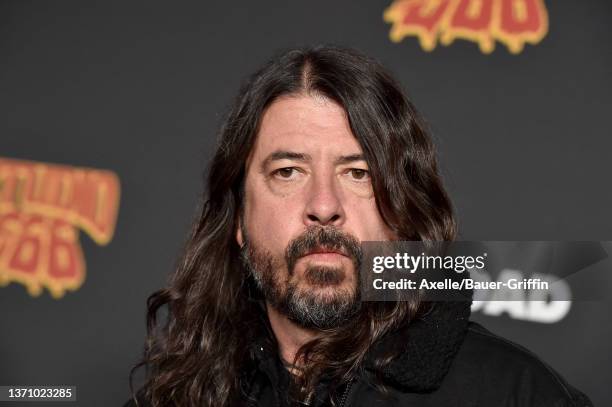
239	237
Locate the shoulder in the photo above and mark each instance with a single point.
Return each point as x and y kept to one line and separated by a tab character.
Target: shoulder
507	373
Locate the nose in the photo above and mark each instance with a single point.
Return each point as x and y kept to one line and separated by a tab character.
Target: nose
324	203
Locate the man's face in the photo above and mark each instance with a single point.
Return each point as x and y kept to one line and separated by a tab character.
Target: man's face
308	204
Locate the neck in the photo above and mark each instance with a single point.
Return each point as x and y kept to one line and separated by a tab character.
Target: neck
289	335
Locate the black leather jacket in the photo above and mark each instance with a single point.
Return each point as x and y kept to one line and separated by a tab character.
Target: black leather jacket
445	361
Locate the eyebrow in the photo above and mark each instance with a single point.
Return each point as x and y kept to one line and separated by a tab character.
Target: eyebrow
345	159
291	155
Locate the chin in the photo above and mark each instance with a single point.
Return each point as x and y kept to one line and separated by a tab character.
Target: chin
328	292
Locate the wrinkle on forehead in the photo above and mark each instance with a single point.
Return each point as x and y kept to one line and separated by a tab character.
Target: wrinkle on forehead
295	118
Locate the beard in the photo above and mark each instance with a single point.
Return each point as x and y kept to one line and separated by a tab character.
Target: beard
321	301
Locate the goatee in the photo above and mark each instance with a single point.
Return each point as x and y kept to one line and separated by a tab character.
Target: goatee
327	304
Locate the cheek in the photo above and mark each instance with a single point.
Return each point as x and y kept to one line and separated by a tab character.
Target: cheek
271	221
367	222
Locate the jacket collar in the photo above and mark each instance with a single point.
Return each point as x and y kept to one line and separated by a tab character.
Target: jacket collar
427	346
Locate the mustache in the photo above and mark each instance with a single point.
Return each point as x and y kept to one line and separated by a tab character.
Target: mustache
323	237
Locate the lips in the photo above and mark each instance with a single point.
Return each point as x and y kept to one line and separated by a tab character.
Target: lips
323	250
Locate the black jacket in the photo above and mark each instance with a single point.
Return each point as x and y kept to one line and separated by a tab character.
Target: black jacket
445	361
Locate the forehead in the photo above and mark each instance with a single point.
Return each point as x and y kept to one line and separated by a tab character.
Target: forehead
306	124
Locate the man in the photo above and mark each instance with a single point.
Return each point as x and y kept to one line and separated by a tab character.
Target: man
320	152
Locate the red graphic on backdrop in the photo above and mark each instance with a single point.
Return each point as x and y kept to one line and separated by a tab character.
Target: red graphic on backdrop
511	22
42	208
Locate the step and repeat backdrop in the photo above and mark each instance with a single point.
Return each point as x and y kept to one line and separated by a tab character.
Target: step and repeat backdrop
108	118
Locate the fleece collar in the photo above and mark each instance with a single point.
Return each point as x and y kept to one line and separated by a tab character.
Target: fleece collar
427	347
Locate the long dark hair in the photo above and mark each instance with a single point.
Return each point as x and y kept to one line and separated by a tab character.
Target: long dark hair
195	357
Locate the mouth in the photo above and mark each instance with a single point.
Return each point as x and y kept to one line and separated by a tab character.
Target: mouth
324	253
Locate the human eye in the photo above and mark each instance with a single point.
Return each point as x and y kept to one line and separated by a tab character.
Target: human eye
285	173
359	174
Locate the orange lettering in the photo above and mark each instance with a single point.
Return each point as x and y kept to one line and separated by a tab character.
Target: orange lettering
41	207
521	21
512	22
471	20
422	18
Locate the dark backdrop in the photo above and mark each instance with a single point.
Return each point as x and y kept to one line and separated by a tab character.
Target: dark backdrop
140	89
